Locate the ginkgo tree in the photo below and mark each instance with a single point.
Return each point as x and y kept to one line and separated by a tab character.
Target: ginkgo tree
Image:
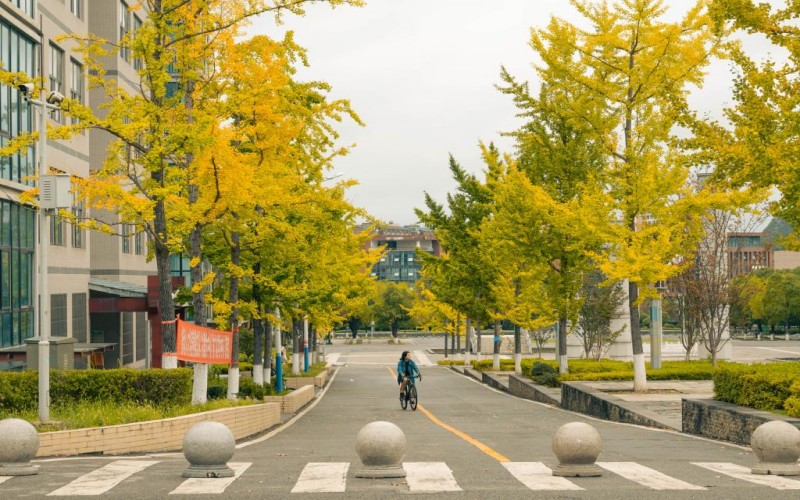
150	176
635	71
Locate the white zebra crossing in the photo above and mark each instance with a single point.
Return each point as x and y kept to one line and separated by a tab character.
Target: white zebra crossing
321	477
743	473
210	486
537	476
422	477
103	479
647	477
429	477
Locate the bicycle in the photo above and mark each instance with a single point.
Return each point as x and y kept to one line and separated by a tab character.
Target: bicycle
410	395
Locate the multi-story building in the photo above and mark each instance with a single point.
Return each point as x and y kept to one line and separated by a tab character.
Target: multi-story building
748	251
401	263
83	266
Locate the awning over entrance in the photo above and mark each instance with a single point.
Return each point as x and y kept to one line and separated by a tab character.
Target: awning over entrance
109	296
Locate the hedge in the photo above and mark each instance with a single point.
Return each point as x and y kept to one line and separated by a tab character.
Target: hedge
763	386
588	370
19	391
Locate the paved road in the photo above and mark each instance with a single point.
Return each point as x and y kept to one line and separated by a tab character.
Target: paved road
466	441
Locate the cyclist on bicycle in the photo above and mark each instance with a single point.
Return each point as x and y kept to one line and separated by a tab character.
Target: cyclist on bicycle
406	370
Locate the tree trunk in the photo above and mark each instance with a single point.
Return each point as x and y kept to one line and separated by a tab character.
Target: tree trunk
478	354
233	298
165	303
268	341
258	351
639	374
563	366
496	346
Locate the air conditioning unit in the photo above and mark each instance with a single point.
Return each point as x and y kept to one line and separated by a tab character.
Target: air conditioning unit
54	192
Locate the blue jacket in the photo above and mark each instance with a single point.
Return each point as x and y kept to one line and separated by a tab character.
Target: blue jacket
407	367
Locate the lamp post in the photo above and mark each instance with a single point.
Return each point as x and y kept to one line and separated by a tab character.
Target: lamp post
46	102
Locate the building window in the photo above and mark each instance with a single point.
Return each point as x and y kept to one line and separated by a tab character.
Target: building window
56	231
80	327
58	314
76	7
124	28
17	54
137	61
76	83
138	243
127	338
25	6
126	238
141	335
56	76
77	231
17	233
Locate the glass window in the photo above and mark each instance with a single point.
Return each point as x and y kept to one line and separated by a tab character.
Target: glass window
56	75
16	272
76	83
58	314
124	28
137	61
56	230
25	6
127	338
77	231
80	326
138	243
126	238
76	7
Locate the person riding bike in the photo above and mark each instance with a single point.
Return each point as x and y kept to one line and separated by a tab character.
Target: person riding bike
406	370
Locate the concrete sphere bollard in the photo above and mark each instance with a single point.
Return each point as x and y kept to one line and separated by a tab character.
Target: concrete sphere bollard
577	446
19	443
207	447
776	444
381	447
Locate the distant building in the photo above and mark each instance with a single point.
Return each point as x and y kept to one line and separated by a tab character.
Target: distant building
748	251
401	263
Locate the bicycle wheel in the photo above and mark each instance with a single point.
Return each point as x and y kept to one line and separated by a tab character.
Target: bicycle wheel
412	397
404	400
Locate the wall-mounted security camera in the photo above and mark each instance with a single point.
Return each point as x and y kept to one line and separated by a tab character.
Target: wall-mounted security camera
55	97
26	89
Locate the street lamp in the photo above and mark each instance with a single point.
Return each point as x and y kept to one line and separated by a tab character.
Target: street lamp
51	194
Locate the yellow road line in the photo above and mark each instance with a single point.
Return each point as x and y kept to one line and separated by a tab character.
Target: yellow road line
474	442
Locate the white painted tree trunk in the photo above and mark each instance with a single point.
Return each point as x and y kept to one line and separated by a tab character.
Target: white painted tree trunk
496	362
296	361
200	384
258	374
639	374
518	363
233	383
562	363
169	361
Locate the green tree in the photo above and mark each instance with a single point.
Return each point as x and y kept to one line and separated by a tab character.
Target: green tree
600	305
635	71
395	300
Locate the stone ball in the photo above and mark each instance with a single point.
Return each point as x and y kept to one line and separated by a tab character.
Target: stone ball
577	443
381	444
776	442
19	441
208	443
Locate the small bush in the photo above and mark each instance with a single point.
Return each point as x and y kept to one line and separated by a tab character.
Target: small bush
792	406
450	362
250	390
763	386
538	369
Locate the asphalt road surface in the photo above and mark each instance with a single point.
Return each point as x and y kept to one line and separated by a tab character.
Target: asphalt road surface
464	441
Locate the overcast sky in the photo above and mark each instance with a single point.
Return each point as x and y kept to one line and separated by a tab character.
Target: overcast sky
422	75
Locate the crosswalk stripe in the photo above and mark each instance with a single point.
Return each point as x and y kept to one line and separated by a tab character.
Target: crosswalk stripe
210	486
3	479
430	477
647	477
322	477
103	479
537	476
423	359
743	473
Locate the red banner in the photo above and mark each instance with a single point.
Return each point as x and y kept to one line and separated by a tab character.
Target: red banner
203	345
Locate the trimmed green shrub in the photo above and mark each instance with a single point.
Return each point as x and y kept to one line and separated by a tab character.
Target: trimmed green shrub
19	391
538	369
250	390
763	386
450	362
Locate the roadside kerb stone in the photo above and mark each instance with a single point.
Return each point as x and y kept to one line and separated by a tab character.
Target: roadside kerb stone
524	387
584	399
19	443
725	421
